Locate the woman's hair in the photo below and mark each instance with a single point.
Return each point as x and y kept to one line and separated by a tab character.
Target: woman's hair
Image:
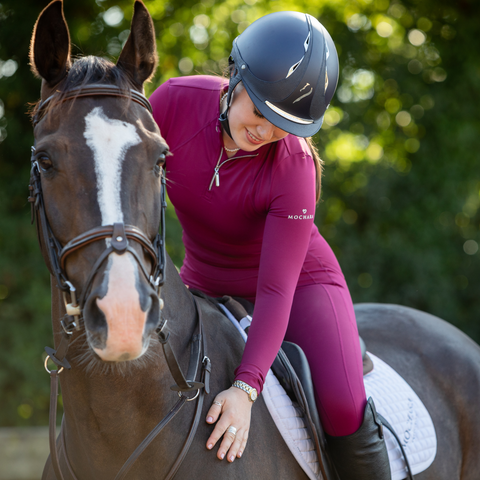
318	162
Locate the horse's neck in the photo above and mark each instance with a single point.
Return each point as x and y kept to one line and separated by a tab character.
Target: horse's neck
113	402
179	310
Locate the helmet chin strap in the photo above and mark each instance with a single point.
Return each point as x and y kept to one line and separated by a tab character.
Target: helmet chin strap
223	119
234	81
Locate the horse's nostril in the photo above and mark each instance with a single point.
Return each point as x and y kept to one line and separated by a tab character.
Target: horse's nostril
153	314
95	323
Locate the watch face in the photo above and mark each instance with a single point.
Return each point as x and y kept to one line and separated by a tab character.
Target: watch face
253	395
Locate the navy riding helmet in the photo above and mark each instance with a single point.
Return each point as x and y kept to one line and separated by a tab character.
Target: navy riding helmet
288	63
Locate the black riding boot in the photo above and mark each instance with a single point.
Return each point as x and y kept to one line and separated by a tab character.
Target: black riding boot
363	454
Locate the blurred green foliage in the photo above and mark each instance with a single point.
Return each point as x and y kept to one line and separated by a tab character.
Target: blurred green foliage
401	188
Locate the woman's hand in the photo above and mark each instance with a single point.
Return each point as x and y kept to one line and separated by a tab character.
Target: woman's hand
234	411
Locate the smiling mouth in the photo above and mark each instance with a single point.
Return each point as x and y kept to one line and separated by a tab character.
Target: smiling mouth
253	138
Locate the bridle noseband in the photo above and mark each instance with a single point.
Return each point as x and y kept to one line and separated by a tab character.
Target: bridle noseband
119	236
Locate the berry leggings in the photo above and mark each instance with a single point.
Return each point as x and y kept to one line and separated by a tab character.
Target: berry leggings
322	322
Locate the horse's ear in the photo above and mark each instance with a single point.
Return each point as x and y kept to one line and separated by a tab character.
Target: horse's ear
50	45
139	55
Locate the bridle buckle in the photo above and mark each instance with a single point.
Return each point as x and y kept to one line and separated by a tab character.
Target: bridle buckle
72	308
69	325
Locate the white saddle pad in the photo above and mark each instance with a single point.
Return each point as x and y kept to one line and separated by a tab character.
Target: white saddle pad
400	405
394	399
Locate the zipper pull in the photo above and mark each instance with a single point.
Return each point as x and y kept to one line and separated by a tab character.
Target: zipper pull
216	174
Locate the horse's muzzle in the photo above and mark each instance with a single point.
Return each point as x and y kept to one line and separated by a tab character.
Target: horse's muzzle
121	312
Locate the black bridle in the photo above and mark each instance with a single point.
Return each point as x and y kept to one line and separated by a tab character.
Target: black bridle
119	235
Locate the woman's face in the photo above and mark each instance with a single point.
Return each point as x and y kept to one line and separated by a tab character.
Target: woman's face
249	128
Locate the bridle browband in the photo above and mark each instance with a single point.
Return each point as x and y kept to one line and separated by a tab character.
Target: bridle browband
119	236
89	91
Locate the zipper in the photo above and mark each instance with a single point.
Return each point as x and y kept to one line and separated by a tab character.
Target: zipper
216	172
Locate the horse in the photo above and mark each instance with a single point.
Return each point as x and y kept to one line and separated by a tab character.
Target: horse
125	326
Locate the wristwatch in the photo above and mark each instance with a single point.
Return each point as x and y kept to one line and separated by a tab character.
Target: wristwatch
250	391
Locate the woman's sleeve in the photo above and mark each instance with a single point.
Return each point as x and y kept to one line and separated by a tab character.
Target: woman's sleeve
285	242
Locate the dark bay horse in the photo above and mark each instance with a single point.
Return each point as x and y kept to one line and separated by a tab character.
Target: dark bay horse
98	156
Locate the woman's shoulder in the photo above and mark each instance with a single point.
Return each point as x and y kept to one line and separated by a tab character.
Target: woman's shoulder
190	87
199	82
291	178
292	149
189	91
187	102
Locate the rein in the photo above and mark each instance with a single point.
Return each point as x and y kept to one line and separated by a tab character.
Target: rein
198	346
118	237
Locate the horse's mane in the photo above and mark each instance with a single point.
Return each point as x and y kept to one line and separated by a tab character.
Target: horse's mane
86	71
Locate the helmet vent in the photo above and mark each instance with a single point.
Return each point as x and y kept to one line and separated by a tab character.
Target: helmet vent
294	67
288	116
307	42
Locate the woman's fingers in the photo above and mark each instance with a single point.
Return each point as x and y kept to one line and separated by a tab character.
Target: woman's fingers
219	430
228	444
238	445
231	410
234	442
243	444
214	412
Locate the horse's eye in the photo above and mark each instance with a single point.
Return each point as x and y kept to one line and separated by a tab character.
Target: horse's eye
44	163
161	158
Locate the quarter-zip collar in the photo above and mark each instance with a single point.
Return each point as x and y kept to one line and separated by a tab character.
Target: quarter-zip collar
216	173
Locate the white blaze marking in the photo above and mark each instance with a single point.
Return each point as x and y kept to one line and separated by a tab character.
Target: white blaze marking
109	140
121	307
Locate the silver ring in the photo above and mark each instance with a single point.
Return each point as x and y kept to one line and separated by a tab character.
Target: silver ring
180	394
217	403
232	430
59	371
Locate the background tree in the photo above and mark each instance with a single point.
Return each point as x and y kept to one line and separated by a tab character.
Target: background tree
401	189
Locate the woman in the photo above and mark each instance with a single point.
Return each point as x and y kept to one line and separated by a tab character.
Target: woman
244	184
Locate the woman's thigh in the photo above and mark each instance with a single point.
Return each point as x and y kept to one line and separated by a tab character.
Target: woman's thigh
322	322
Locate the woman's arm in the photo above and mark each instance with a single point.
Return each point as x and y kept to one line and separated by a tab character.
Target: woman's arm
286	238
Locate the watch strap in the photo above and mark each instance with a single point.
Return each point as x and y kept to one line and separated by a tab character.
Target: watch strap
250	391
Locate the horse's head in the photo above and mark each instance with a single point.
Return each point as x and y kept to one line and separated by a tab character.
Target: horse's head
98	156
